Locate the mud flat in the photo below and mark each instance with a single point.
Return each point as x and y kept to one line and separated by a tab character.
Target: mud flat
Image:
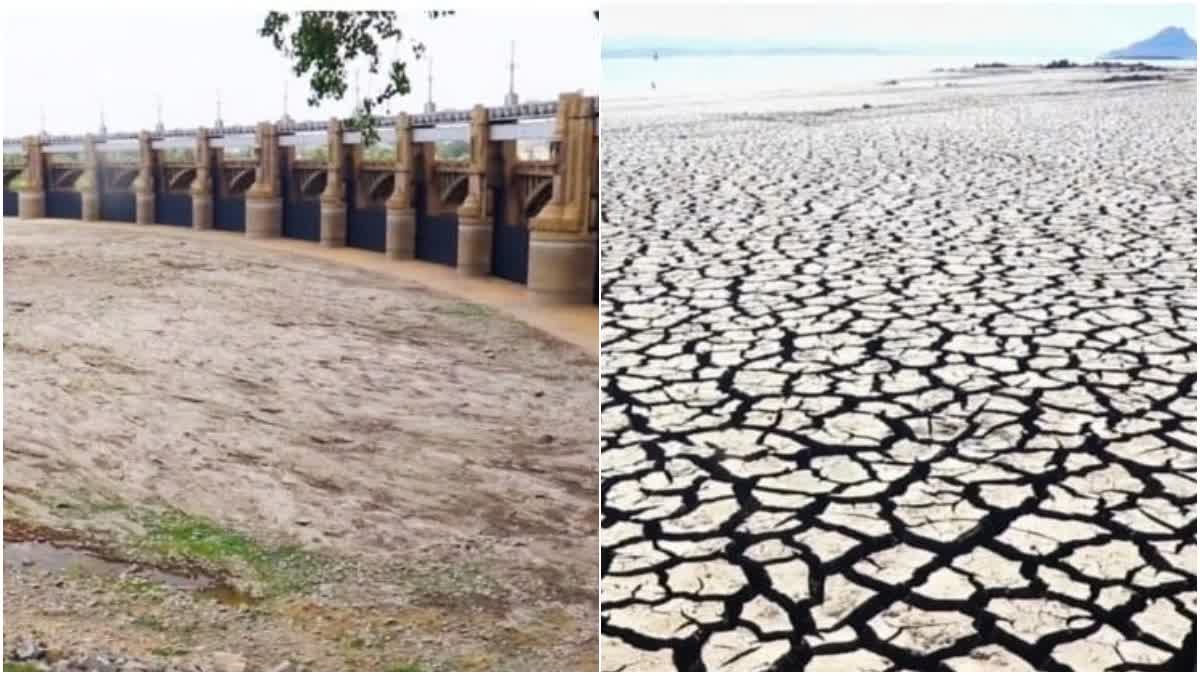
248	458
908	384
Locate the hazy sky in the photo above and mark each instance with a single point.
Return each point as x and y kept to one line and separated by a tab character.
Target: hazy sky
985	27
124	57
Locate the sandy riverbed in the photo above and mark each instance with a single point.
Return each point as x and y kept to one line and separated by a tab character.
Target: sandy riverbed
901	378
366	420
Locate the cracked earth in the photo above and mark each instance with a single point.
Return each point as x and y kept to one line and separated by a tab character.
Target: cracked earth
902	388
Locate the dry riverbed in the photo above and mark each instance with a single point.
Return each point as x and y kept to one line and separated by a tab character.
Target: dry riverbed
221	457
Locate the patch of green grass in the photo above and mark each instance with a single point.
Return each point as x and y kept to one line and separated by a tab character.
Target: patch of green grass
198	538
460	579
465	309
142	588
406	667
20	667
149	622
168	651
183	538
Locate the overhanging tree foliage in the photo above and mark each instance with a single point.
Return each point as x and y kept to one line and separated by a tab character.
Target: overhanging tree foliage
322	44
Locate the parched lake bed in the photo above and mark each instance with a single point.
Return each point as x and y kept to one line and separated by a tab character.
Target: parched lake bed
377	476
906	385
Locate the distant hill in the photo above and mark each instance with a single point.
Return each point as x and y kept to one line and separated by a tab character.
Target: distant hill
1168	43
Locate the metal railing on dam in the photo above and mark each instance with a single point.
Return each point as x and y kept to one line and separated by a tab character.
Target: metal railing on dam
530	220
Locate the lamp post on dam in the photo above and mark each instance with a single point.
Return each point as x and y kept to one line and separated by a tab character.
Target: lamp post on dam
533	222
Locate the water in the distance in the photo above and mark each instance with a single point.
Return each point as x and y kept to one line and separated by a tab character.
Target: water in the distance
631	77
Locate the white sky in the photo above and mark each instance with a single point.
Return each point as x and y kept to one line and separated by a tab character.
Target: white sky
1013	25
70	61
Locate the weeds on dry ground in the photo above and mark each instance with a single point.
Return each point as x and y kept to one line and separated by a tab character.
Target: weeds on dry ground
264	574
174	539
464	309
148	622
412	667
141	588
181	538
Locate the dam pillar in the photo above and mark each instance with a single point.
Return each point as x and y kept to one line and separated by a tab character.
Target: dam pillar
474	221
333	198
563	235
89	183
143	185
31	200
201	190
264	203
401	216
506	176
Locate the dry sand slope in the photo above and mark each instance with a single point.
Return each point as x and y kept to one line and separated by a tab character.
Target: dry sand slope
394	434
902	388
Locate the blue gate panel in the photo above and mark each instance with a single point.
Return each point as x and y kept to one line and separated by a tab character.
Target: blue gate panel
437	238
118	206
173	208
301	216
510	246
367	228
229	213
510	252
63	204
10	203
302	219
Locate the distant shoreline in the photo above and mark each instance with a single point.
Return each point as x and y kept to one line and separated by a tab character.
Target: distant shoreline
640	53
877	92
646	53
738	75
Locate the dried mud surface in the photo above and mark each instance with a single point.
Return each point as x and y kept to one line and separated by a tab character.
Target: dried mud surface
440	457
908	388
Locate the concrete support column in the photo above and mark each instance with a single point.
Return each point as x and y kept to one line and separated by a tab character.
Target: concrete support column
143	185
89	183
506	176
145	208
333	198
562	241
31	204
202	212
429	173
89	205
202	195
264	204
31	200
561	267
474	221
401	216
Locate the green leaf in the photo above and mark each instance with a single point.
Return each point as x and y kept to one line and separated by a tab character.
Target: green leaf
322	45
